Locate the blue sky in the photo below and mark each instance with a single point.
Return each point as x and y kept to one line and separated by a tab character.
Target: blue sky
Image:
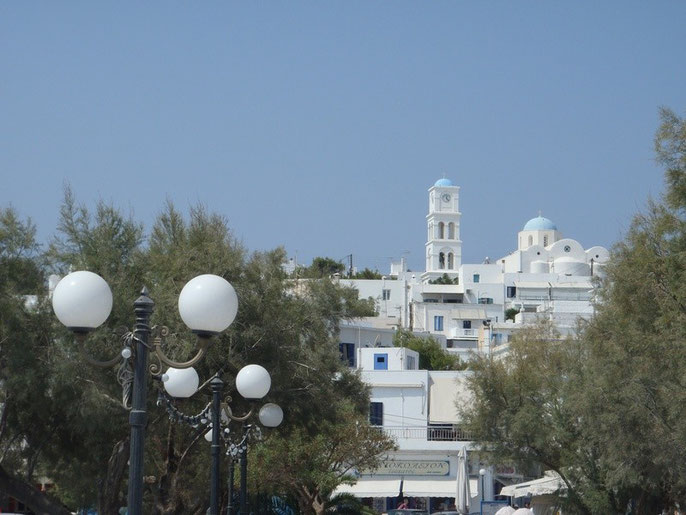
320	126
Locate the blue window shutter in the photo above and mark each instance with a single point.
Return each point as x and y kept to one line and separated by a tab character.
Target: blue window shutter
380	361
376	413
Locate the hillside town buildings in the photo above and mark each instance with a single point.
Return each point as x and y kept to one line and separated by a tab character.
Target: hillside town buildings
546	275
469	309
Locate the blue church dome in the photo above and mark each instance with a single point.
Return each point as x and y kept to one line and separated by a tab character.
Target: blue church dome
444	182
540	223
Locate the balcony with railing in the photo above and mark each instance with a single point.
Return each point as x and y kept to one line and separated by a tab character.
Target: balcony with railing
460	333
427	437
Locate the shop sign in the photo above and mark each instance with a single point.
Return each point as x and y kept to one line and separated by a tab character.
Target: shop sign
412	468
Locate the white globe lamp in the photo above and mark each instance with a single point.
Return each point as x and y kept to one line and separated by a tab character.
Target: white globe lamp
253	382
208	304
271	415
181	382
82	301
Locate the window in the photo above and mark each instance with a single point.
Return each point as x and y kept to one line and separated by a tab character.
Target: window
441	230
531	240
376	413
511	292
476	278
466	324
567	248
441	260
411	363
386	294
380	361
545	241
347	351
450	261
485	300
451	231
438	323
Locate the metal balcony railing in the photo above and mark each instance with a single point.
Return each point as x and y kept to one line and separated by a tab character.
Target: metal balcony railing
458	332
428	433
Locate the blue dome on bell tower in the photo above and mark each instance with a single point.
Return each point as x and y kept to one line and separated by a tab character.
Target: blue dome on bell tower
444	182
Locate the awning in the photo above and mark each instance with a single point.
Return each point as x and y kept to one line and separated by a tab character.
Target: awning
531	284
584	285
549	484
442	396
429	487
372	488
464	313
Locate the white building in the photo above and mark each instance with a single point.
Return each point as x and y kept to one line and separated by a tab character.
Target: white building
443	244
547	275
417	408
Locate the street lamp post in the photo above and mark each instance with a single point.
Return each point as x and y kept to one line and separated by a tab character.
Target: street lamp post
482	473
82	301
232	468
217	386
270	415
252	382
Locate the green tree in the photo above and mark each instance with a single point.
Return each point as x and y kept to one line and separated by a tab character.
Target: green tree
431	355
29	420
367	274
637	345
445	279
322	267
310	465
522	410
606	409
52	398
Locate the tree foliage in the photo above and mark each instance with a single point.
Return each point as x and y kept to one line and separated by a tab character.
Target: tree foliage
29	419
310	465
445	279
605	409
431	355
522	411
63	419
637	345
322	267
367	273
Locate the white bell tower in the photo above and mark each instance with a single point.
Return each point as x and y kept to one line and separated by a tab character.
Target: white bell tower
443	244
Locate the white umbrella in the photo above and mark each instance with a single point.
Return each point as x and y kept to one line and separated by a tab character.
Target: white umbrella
523	511
463	494
506	510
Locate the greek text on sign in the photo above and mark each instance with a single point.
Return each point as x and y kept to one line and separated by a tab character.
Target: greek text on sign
413	468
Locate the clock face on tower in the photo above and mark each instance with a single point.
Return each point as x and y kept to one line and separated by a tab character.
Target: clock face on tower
445	197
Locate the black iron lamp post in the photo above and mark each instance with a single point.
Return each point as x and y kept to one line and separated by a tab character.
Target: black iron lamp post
270	415
252	382
82	301
482	474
